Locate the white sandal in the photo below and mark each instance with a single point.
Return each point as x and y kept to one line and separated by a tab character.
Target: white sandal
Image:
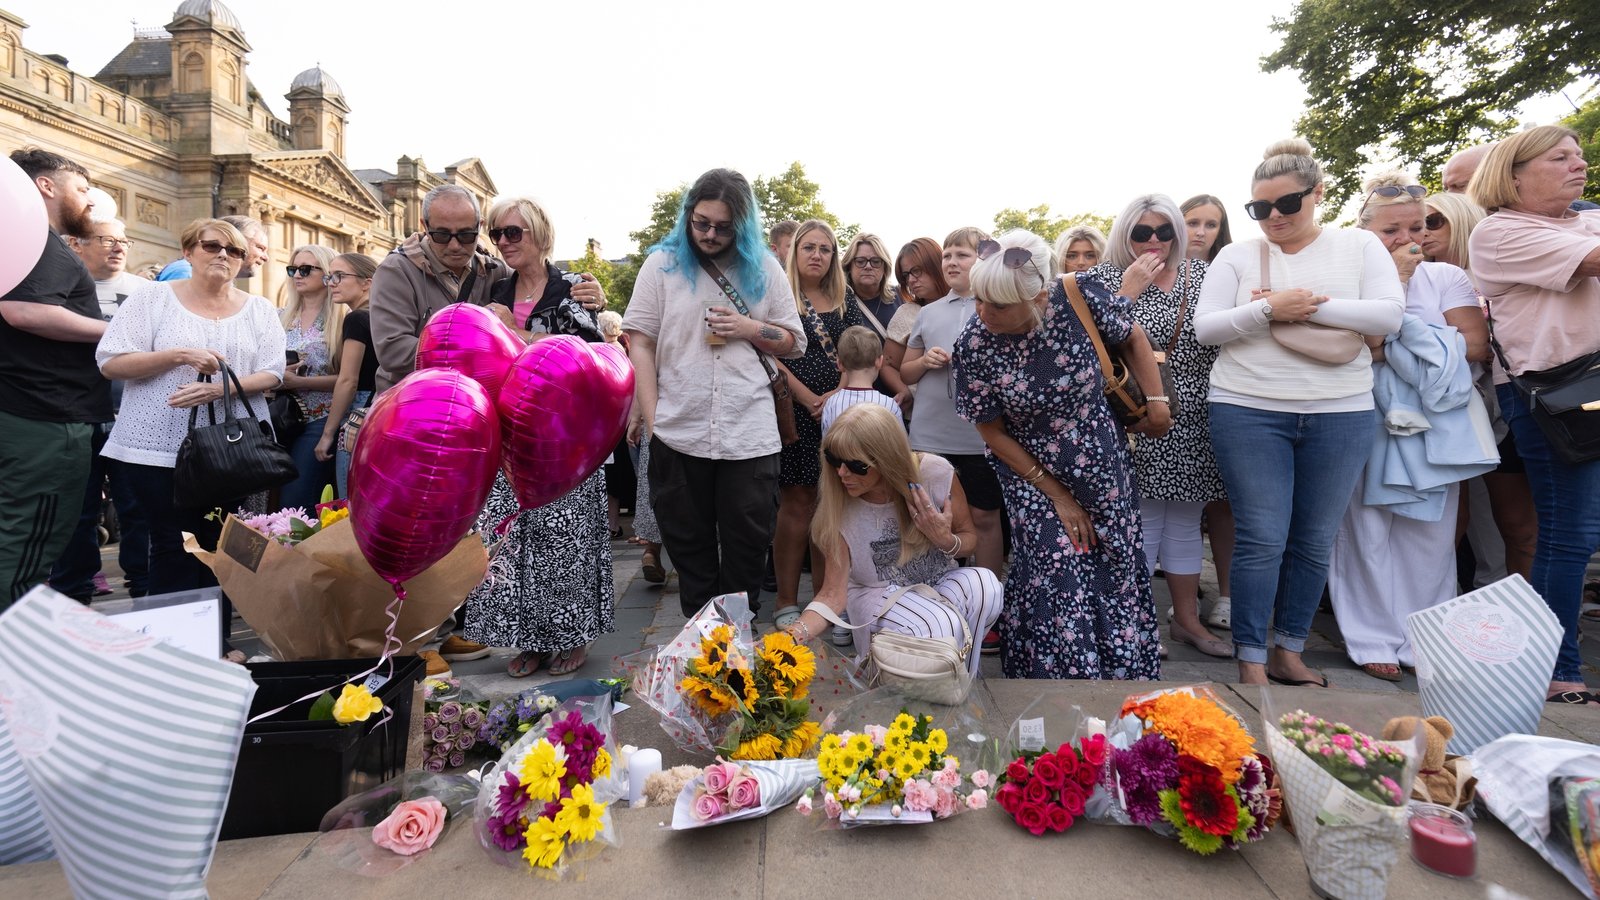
1221	613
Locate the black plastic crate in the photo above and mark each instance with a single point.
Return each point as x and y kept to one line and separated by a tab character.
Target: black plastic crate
291	771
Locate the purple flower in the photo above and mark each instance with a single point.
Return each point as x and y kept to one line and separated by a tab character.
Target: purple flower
472	717
441	734
457	759
510	798
434	765
430	722
465	740
455	727
1144	771
526	709
449	712
507	830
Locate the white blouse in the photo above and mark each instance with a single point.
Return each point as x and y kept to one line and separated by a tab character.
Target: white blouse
148	431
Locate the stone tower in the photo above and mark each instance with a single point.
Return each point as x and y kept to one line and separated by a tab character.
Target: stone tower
208	81
317	112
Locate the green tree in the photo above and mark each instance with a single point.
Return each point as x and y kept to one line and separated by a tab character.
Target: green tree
1039	221
793	196
663	215
605	272
1419	81
1586	122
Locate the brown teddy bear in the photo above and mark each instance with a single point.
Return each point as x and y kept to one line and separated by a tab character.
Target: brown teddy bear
1443	779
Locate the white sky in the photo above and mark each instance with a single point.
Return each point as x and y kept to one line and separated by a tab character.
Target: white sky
914	117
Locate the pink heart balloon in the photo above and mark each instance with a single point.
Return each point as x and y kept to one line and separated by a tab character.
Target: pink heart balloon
563	408
24	225
471	340
423	466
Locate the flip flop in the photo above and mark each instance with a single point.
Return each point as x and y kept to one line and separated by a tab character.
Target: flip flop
1575	698
1382	671
569	660
525	663
1296	682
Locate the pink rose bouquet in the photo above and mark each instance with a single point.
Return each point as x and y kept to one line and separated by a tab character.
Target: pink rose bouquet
412	827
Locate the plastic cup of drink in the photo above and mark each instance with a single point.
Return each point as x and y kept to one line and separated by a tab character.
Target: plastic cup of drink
711	336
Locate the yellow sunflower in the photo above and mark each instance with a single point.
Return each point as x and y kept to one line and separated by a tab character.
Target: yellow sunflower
581	815
762	746
710	696
714	651
743	686
794	663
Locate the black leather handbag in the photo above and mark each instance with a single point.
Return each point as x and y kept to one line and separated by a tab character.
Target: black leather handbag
229	458
1564	402
288	414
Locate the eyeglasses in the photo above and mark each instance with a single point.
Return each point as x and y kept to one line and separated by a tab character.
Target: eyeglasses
1288	204
1416	191
465	237
867	262
295	271
333	278
856	466
217	247
1014	257
918	272
703	226
109	242
1435	221
512	233
1141	233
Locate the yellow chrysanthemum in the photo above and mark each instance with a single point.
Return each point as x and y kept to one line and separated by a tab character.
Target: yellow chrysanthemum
917	752
860	745
889	759
937	741
355	704
906	768
903	723
761	746
710	696
896	740
830	742
546	842
542	771
581	816
602	763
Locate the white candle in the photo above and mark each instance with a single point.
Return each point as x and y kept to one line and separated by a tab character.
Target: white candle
641	765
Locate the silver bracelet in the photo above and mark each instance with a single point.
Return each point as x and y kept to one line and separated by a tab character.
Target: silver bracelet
955	550
807	629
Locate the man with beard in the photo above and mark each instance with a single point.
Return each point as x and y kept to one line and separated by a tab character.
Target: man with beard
51	391
701	389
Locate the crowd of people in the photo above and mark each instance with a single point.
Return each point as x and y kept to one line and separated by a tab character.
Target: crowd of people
925	432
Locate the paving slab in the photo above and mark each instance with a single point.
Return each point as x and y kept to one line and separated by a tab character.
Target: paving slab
240	870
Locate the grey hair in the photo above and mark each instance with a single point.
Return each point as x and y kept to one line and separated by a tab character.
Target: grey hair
1289	157
450	190
1000	286
247	226
1119	247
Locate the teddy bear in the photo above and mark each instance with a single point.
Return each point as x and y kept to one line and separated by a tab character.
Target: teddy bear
1443	778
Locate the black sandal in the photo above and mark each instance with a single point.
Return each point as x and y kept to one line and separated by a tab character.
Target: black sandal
1575	698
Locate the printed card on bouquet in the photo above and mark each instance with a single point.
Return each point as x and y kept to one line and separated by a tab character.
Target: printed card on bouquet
188	620
1484	661
128	744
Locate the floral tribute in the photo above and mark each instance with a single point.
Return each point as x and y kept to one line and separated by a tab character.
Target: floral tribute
766	688
545	802
1373	769
1191	769
904	767
724	788
292	525
1048	791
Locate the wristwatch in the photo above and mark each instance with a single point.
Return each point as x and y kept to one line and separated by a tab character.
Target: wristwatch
1267	309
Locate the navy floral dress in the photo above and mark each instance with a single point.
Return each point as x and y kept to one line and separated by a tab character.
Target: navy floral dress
1067	614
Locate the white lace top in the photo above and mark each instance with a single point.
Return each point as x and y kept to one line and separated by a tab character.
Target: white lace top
148	431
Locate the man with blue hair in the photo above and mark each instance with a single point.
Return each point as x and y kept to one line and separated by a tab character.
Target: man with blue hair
709	303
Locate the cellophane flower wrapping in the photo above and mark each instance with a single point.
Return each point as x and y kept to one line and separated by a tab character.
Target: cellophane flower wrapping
547	804
1185	765
348	827
888	759
1348	805
1072	784
719	690
706	800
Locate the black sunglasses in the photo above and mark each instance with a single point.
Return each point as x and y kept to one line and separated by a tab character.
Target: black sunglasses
1288	204
704	226
215	247
856	466
1435	221
1014	258
464	238
512	233
1141	233
296	271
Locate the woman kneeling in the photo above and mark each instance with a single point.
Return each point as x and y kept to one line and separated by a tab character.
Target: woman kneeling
889	519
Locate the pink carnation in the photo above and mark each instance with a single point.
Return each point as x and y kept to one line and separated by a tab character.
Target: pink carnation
978	799
830	805
945	803
982	778
920	795
947	778
877	733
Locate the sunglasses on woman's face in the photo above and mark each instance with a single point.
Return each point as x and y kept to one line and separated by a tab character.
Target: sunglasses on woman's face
1163	233
301	271
216	247
1435	221
856	466
512	233
1288	204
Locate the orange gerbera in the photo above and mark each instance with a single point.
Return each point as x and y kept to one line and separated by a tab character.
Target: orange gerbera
1200	728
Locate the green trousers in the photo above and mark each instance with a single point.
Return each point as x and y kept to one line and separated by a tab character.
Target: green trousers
44	467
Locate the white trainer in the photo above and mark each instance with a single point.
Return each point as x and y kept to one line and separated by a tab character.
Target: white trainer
1221	613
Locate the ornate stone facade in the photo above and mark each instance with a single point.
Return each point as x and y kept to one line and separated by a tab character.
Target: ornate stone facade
173	129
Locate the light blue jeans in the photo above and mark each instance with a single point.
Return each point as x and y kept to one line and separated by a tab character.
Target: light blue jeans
341	459
305	490
1289	477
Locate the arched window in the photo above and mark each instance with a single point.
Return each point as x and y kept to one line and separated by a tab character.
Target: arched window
305	133
192	75
229	87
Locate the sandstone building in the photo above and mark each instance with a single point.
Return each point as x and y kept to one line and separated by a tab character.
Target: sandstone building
173	129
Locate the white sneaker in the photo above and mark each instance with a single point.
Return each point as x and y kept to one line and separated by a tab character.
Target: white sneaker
1221	613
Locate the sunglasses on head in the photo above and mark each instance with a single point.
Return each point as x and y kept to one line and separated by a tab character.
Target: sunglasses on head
1142	233
1435	221
1391	191
215	247
465	238
1288	204
1014	257
856	466
512	233
300	271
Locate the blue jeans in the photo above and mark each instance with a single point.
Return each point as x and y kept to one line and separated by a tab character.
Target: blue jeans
1567	499
306	489
1289	477
341	458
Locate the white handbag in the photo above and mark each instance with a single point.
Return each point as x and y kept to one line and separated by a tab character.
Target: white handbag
923	668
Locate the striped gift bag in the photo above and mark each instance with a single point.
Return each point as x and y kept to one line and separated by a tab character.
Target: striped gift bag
1514	778
128	744
1484	661
23	837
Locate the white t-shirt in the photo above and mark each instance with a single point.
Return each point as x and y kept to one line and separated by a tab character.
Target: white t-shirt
112	291
148	431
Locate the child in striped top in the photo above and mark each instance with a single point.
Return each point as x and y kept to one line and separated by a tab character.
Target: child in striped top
860	354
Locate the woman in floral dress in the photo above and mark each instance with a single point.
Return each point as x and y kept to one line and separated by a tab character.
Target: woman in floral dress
1078	601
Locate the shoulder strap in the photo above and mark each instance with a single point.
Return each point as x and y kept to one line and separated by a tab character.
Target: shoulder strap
1183	306
867	314
821	330
1081	307
739	304
1499	353
1266	266
464	295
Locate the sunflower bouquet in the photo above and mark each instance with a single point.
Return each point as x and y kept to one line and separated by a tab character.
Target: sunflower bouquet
902	773
1183	765
546	805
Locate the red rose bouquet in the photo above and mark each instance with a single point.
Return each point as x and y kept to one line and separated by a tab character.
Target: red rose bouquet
1049	791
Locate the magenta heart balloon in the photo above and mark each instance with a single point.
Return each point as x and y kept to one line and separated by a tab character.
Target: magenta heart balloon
563	408
24	225
423	465
471	340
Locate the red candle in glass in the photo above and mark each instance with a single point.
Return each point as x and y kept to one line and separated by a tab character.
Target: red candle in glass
1442	840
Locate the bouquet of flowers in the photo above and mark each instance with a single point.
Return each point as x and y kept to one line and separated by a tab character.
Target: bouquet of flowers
547	803
1345	791
729	791
452	727
292	525
382	830
718	690
1186	766
904	772
1050	790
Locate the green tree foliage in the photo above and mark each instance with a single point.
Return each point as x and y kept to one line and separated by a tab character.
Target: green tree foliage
605	272
793	196
663	215
1039	221
1419	81
1586	122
